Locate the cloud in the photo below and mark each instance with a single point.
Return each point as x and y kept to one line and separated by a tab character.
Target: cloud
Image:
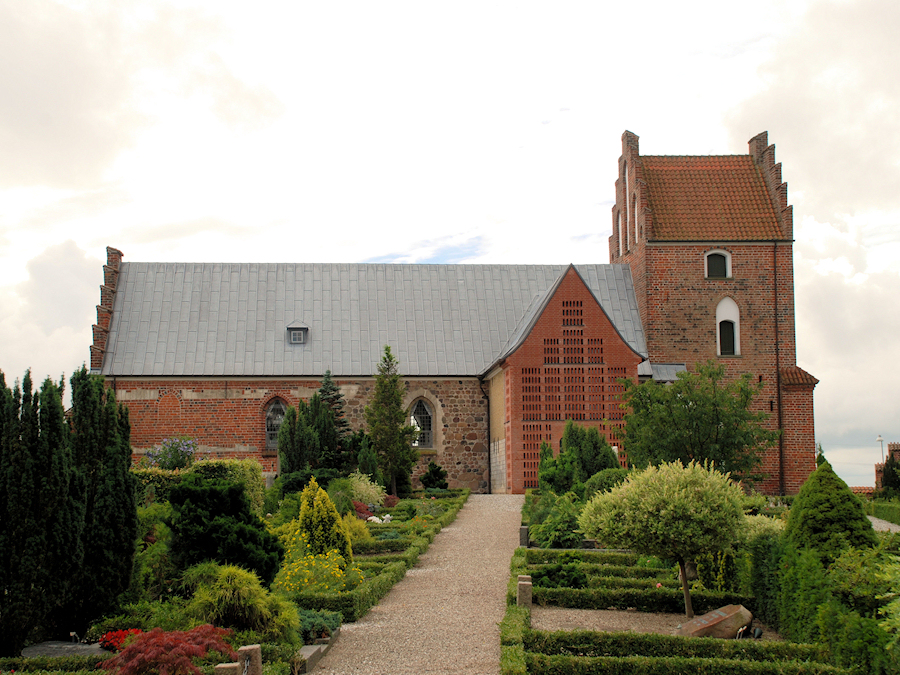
62	289
78	86
832	105
45	322
64	112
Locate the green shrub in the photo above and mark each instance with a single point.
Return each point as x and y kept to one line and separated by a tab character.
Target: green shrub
315	624
153	484
558	530
340	491
540	664
153	572
604	481
718	571
245	472
213	521
828	517
167	615
231	597
319	519
434	477
366	490
560	576
804	588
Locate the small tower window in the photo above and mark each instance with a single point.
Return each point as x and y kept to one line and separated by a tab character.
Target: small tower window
728	328
718	265
274	418
421	419
726	338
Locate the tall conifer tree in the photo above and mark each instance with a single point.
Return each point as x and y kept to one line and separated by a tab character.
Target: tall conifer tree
387	427
104	485
40	522
332	397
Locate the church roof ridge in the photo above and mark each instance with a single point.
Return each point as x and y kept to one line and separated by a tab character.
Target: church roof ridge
232	319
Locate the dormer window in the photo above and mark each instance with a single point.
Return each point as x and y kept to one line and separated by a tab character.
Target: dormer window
298	333
718	265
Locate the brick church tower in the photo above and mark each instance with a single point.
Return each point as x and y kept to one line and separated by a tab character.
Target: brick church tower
709	240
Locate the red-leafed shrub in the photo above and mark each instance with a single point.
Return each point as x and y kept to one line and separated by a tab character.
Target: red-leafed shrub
169	653
113	639
390	501
362	510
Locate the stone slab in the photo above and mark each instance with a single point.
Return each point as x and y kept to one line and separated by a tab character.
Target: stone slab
724	622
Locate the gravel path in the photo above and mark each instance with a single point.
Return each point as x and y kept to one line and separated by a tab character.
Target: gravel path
883	525
443	616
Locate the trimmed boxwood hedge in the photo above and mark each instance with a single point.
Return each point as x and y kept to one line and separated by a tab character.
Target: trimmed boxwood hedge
354	604
889	511
541	664
668	600
62	664
543	556
626	643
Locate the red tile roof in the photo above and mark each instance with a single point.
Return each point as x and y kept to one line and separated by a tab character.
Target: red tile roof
715	198
796	375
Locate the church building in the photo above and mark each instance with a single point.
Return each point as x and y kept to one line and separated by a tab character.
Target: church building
495	358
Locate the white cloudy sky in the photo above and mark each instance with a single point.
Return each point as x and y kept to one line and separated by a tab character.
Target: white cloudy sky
442	132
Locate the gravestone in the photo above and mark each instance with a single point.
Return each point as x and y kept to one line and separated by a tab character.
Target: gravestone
724	622
249	662
523	591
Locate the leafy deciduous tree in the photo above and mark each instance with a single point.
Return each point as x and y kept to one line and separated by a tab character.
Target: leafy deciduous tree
387	427
699	417
672	511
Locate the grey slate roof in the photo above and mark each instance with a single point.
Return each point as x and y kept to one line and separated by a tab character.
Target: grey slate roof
215	319
661	372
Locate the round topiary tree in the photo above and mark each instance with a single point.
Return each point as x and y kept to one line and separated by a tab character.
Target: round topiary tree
672	511
828	517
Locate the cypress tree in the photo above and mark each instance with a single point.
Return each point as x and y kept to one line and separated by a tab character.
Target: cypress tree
22	606
39	521
103	484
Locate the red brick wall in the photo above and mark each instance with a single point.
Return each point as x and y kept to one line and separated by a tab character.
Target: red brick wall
227	417
566	369
678	306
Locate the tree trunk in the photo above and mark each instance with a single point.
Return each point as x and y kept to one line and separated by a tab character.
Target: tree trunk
688	607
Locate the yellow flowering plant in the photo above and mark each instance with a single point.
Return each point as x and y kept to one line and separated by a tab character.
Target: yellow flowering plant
305	571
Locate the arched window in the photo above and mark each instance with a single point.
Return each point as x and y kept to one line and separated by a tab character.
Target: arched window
421	418
718	265
728	328
274	418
